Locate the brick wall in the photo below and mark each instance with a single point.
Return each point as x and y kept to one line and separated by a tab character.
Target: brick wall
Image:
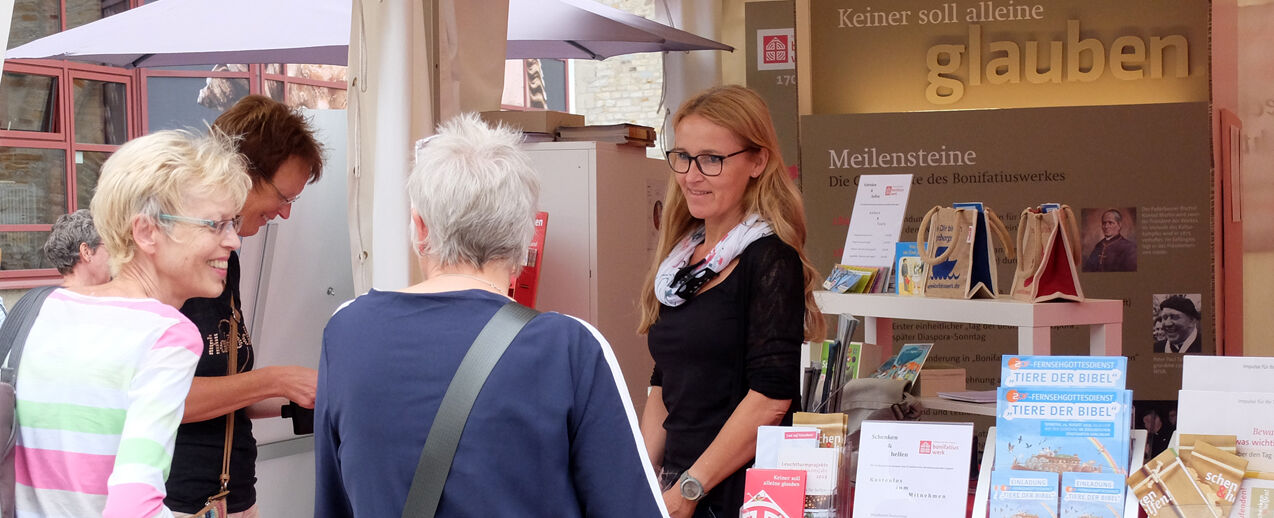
623	88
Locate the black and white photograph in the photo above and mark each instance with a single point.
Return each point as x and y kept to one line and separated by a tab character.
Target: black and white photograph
1176	323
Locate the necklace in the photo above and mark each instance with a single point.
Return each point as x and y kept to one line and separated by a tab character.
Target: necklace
473	277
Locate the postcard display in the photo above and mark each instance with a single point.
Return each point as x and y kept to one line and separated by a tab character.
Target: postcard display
1100	105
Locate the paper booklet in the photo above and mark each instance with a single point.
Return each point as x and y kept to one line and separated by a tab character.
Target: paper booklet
1061	430
906	364
1064	371
770	440
773	493
1022	493
1092	495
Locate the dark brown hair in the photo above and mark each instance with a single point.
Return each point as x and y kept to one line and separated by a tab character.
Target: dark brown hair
268	133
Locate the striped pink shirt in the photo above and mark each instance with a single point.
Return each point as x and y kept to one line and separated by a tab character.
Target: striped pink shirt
101	389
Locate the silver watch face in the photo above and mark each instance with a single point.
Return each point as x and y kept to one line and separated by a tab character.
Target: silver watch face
691	489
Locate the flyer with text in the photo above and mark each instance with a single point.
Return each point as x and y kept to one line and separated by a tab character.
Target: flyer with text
913	469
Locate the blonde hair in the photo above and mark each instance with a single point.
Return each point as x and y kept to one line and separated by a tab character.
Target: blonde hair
156	174
773	195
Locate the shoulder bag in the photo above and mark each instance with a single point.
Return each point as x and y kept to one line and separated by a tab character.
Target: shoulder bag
13	336
215	505
449	422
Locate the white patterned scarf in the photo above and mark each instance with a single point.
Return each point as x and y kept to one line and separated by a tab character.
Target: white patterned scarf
678	280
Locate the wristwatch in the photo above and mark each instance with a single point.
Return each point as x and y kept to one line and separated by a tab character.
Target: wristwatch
691	488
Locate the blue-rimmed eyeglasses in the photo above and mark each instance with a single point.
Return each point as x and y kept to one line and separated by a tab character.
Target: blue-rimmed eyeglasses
216	227
709	164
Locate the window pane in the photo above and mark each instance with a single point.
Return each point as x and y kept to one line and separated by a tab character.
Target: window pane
315	97
274	68
34	19
88	166
23	250
101	112
28	102
80	12
274	90
555	83
190	102
32	185
320	72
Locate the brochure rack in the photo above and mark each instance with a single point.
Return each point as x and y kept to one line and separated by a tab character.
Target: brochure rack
1131	508
1034	321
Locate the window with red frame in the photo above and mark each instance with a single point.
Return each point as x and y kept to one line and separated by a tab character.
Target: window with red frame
59	121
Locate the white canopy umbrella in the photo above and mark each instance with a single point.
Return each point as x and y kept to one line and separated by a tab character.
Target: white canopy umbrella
584	29
199	32
393	98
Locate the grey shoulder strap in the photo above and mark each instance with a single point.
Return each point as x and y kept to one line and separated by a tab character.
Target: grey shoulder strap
444	433
13	334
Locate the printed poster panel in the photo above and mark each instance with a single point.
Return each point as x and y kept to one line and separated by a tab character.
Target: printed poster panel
1143	162
908	55
771	70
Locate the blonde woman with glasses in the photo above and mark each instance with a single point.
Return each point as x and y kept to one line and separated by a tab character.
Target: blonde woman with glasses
727	302
103	379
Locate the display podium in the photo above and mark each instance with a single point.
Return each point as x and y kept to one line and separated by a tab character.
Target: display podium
601	199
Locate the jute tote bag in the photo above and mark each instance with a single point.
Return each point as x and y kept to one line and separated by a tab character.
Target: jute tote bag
1048	255
956	244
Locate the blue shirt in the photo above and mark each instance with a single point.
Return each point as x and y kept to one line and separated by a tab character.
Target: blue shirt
552	433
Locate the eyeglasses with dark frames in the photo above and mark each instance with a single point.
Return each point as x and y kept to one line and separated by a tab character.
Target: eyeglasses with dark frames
710	164
217	227
284	199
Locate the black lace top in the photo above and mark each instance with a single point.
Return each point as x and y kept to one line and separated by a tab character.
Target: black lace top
742	334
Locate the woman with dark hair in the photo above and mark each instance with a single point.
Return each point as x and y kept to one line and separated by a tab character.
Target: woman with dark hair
282	157
727	303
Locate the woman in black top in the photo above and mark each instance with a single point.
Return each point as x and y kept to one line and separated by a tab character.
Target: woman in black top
727	303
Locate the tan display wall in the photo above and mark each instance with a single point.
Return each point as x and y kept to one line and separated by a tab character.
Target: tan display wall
1099	105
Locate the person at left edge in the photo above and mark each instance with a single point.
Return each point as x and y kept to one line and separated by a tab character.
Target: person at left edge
282	156
104	376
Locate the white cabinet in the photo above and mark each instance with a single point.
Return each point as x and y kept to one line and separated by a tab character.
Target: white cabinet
601	199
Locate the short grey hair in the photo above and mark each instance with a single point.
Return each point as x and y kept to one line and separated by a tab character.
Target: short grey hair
476	192
62	249
1119	217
